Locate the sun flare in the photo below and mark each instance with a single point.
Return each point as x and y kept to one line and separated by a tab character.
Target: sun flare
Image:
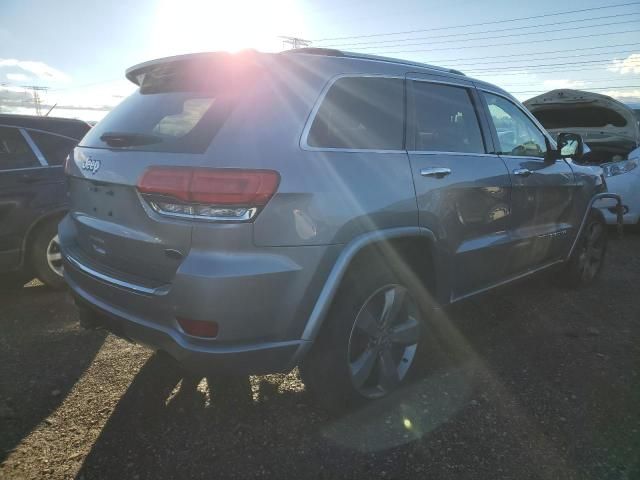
183	26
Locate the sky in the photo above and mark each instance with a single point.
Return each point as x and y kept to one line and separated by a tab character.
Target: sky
80	49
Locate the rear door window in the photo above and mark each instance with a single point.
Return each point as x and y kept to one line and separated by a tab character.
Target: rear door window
54	147
445	119
360	113
15	151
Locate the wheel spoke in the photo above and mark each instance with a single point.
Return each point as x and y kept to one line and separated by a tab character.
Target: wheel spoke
406	333
54	256
362	367
393	301
388	370
367	322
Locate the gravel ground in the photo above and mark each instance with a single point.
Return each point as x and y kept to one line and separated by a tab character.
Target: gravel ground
539	382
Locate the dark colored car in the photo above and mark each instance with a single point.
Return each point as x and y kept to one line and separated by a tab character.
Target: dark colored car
33	195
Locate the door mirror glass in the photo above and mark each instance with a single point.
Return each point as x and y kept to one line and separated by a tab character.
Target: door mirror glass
570	145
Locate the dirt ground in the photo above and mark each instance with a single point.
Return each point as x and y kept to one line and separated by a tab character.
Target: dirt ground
544	383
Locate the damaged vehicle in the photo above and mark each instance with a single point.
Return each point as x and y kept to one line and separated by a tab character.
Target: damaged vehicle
610	129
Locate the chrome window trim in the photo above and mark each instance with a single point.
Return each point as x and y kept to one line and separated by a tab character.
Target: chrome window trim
304	145
437	152
34	148
453	83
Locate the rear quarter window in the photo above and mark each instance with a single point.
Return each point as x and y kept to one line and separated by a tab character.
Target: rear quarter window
363	113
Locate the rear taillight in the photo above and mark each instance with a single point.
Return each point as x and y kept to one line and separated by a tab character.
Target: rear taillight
213	194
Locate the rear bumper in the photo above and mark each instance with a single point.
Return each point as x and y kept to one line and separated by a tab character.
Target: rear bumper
261	300
203	360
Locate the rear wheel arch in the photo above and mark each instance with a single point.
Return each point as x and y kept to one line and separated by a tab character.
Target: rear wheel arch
407	251
32	231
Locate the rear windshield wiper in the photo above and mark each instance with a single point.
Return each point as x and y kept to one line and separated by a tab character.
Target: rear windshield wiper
118	139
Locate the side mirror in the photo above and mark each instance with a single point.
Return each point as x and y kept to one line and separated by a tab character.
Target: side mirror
570	145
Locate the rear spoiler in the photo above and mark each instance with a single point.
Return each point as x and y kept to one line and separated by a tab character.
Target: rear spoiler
136	73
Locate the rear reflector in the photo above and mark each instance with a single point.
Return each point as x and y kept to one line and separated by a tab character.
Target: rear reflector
211	186
199	328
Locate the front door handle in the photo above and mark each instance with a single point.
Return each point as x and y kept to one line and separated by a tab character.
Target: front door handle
522	172
438	172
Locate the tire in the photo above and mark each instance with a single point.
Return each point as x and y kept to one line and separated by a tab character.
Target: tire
45	256
355	340
586	262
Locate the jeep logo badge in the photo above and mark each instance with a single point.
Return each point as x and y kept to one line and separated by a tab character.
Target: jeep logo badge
90	165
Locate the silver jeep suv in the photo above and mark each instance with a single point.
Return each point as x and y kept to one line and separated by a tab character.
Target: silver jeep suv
251	212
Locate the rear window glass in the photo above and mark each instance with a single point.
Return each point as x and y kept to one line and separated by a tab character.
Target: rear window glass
178	109
361	113
54	147
579	117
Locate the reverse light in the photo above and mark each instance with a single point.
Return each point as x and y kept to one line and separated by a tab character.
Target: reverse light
206	193
618	168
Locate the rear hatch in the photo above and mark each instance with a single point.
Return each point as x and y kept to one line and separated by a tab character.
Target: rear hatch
169	121
609	127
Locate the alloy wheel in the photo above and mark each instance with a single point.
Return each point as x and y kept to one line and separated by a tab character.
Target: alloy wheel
592	252
54	256
383	341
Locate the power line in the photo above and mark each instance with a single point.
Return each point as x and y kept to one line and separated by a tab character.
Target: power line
554	30
37	103
600	88
349	45
544	65
295	42
537	59
512	43
541	53
523	71
493	22
593	81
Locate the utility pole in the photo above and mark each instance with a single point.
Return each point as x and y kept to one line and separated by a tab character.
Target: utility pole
36	96
295	42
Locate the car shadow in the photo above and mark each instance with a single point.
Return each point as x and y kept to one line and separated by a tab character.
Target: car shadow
40	338
505	381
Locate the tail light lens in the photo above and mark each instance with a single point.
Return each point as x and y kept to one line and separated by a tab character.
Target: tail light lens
214	194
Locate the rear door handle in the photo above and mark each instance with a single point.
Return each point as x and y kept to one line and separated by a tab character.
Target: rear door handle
522	172
438	172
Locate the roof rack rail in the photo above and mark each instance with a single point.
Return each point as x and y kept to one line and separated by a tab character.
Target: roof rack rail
331	52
